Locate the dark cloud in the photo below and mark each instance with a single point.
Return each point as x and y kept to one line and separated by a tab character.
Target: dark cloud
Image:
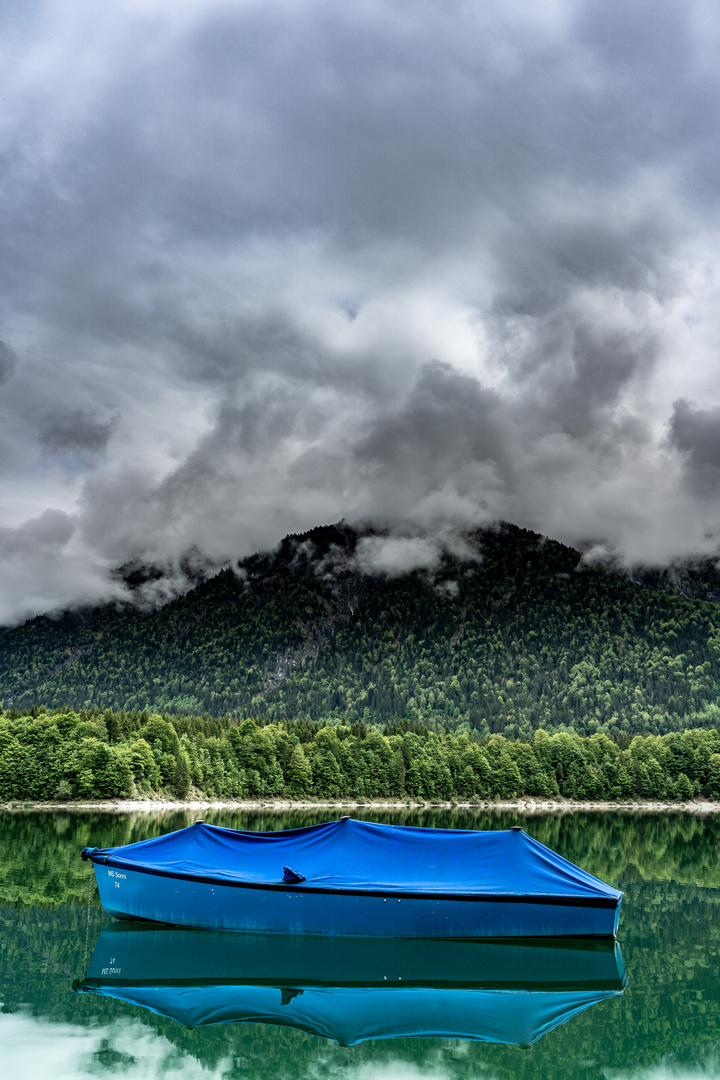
271	264
76	435
448	428
696	433
8	360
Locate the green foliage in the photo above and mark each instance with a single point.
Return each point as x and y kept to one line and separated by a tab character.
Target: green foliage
66	755
524	638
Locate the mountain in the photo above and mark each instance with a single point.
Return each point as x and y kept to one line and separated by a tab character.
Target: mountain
518	634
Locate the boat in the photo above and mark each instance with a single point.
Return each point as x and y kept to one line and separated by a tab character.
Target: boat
351	990
352	877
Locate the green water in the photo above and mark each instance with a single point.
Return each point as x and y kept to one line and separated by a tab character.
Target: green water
666	1024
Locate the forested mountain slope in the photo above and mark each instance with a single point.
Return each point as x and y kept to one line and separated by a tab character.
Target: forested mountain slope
523	636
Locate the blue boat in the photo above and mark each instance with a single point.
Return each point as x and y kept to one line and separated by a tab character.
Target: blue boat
356	878
351	990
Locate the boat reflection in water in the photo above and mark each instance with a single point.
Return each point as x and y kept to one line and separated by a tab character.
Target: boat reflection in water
353	989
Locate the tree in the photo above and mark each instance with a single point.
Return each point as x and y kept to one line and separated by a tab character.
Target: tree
683	788
181	781
712	788
299	775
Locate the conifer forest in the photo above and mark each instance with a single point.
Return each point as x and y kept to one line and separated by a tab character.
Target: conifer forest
523	636
518	671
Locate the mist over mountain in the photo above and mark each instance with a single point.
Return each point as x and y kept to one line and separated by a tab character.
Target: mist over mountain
508	633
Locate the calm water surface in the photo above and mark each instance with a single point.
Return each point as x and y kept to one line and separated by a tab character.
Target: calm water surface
666	1022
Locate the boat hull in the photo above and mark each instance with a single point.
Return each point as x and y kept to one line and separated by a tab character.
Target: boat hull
140	952
217	905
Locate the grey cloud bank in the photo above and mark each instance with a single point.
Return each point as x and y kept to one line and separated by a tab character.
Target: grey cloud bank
267	265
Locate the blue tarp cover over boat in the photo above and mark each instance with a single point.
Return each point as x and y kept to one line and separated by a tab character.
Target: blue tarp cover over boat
350	1016
358	860
349	989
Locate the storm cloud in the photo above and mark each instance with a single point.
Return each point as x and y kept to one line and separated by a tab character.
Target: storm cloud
696	433
430	265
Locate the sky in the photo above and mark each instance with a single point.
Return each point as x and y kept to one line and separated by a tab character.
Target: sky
267	264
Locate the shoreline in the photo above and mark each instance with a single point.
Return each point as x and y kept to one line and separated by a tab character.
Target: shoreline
522	806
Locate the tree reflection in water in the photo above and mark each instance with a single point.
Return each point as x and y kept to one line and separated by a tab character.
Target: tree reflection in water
666	1024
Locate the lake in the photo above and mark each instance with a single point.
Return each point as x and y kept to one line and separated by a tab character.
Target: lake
665	1023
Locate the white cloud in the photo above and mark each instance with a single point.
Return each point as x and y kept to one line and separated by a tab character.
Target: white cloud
36	1049
396	555
667	1069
